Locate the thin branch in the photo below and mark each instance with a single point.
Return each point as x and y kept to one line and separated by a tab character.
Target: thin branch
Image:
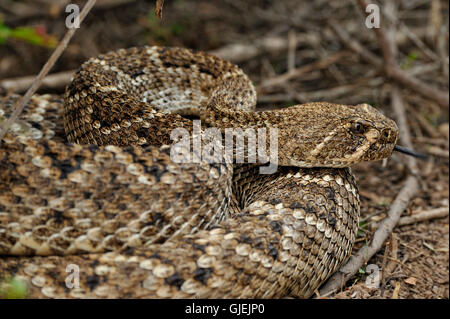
44	71
426	215
55	81
241	52
437	151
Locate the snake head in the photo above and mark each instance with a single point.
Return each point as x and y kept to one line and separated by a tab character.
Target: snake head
374	135
337	135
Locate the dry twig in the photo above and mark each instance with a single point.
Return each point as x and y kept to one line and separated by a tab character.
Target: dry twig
240	52
426	215
55	81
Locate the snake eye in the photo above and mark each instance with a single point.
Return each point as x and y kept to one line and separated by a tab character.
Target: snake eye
357	127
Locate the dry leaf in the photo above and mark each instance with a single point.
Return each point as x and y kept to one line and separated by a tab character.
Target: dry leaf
411	281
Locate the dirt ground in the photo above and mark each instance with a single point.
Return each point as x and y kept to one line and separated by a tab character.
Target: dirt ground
290	50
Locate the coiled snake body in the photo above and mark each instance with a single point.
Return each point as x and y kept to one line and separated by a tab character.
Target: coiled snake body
115	207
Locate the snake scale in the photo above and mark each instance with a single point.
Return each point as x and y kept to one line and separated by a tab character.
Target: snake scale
89	181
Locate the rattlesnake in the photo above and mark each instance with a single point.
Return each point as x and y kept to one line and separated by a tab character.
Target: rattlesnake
137	224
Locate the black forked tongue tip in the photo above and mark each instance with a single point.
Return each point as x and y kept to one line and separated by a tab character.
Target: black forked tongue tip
407	151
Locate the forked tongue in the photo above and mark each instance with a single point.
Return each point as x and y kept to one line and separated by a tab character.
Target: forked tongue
407	151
